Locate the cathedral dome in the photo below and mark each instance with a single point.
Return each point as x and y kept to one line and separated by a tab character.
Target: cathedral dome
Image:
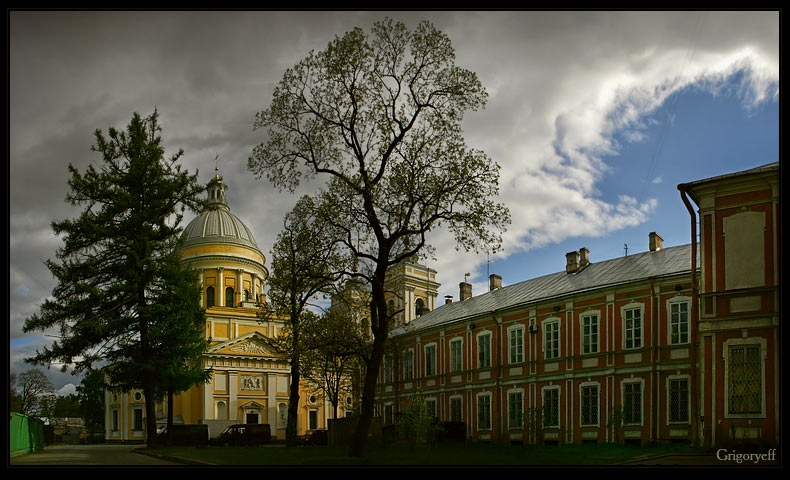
216	224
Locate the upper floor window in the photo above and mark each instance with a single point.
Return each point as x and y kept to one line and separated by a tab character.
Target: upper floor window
209	297
632	318
484	350
387	368
516	344
551	339
419	307
430	360
229	297
590	333
456	355
408	364
679	322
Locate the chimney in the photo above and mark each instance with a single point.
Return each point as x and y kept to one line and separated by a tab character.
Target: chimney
573	262
494	282
584	257
466	290
656	242
448	299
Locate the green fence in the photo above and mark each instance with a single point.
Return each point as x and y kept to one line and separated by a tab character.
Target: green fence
27	434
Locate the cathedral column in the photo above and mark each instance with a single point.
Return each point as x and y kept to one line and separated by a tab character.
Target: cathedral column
254	277
220	289
202	288
239	287
233	403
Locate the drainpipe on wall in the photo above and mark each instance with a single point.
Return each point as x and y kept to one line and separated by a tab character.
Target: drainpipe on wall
695	427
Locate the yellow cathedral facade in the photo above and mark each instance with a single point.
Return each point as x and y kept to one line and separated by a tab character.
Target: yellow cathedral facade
249	382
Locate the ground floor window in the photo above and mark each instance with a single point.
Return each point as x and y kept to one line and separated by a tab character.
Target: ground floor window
744	384
589	405
551	407
137	419
515	407
251	418
484	412
632	403
115	420
679	400
455	409
312	417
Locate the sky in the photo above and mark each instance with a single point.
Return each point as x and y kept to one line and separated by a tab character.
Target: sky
595	117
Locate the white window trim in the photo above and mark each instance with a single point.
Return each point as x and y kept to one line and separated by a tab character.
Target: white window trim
597	315
521	407
641	383
453	340
634	306
485	333
672	301
435	359
597	385
669	380
552	320
763	343
515	328
490	412
559	403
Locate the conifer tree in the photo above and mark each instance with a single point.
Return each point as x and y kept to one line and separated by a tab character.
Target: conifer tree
116	271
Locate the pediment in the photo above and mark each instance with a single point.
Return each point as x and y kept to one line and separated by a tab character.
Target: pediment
250	344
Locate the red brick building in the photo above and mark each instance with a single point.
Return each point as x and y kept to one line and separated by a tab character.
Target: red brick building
605	351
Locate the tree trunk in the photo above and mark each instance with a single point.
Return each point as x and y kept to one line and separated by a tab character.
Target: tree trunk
170	413
379	308
293	404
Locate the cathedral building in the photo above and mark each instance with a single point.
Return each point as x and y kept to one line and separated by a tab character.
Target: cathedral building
250	383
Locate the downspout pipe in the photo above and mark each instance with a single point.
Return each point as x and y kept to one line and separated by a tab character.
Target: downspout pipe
683	188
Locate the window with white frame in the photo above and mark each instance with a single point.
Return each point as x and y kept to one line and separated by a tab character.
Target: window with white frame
388	368
678	401
551	338
632	403
430	360
551	406
516	343
632	327
408	364
484	350
456	355
744	379
515	409
589	323
678	322
589	404
484	411
456	414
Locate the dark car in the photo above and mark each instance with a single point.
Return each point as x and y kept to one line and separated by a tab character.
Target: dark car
317	437
245	434
186	435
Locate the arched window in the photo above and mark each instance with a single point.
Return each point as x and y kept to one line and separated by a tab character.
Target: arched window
229	297
209	297
419	307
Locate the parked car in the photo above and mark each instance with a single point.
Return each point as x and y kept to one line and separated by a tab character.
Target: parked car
245	434
186	435
317	437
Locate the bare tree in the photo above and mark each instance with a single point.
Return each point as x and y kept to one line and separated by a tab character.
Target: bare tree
33	387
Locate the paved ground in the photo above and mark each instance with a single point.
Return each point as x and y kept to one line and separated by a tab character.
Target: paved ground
89	455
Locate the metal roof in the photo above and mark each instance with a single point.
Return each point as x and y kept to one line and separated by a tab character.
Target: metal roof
631	268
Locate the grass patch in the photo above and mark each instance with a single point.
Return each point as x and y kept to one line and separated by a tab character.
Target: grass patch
446	454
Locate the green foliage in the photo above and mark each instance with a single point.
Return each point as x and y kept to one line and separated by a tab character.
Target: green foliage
90	394
616	422
417	422
379	117
118	275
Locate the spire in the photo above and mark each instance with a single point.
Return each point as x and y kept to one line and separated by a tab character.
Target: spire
216	189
